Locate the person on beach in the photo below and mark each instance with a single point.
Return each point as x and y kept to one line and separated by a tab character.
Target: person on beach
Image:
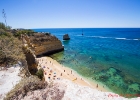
64	70
61	74
74	79
97	86
71	71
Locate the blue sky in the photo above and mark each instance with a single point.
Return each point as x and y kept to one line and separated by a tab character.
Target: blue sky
71	13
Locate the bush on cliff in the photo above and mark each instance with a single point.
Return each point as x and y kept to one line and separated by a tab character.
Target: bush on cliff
4	27
25	85
28	32
40	73
4	33
10	50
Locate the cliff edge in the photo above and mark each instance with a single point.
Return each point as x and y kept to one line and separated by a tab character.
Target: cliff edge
44	44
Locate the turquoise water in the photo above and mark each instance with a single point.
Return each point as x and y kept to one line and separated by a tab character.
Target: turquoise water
110	56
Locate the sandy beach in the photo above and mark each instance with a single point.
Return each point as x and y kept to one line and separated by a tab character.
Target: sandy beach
56	71
67	81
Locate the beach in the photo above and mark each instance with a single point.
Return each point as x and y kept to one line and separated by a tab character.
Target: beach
74	85
65	80
55	71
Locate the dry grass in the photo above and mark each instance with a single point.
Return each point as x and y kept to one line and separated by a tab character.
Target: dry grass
25	85
10	50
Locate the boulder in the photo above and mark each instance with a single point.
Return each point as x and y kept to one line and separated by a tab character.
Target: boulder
66	37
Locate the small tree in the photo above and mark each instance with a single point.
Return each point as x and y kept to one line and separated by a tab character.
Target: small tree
4	16
2	26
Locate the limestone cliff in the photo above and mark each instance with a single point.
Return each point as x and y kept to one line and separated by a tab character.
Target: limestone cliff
39	44
30	58
45	44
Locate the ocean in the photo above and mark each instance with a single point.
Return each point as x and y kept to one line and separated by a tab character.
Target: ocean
110	56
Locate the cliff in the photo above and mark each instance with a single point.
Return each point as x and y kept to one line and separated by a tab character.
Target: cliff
39	44
44	44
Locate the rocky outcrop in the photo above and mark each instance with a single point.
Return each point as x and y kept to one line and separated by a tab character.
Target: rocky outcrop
45	44
31	61
39	44
29	54
66	37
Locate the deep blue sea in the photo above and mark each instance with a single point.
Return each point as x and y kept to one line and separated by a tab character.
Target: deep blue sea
107	55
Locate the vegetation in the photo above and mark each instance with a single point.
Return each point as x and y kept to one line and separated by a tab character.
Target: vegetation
4	27
25	85
10	47
10	50
40	73
48	33
28	32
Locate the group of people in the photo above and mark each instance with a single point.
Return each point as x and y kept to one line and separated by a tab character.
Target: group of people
51	74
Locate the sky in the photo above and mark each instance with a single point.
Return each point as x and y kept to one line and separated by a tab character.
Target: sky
71	13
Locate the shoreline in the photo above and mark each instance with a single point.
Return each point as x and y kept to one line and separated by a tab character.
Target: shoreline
56	71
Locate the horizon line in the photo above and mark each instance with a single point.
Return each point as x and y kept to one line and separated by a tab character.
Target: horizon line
79	27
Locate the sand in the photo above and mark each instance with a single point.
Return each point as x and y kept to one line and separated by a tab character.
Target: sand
56	71
75	86
65	79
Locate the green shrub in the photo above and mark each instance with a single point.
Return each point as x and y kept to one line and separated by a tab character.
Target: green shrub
40	73
25	31
48	33
4	27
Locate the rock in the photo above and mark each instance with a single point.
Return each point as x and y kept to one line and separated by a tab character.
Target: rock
39	44
45	44
66	37
31	61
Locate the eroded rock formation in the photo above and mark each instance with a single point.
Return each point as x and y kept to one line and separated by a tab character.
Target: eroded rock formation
45	44
66	37
30	56
39	44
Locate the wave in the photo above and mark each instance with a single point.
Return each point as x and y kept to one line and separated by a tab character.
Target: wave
78	35
121	38
135	39
126	39
117	38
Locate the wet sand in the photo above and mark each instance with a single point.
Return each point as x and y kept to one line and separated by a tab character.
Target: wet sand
55	71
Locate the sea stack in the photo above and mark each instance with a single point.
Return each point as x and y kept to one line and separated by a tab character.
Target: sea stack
66	37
